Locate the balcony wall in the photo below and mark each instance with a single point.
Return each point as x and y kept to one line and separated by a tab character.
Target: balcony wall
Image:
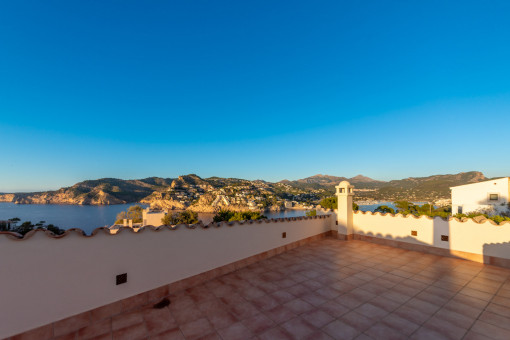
484	242
45	278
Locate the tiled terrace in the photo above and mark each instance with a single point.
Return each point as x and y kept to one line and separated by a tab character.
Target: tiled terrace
332	289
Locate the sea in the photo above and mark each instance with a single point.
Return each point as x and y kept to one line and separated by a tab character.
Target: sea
89	217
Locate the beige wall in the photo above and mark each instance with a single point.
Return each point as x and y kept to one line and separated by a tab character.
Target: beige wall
44	279
485	238
152	218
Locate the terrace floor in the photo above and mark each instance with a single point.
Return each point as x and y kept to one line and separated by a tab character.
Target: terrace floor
332	289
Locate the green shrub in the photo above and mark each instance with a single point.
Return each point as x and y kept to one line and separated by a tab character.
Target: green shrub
229	216
311	213
181	217
384	209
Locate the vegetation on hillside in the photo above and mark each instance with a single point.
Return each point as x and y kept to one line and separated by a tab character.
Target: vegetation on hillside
229	216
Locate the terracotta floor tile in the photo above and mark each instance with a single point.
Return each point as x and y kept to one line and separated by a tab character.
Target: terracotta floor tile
317	318
196	329
357	321
445	328
314	298
126	319
457	319
425	333
158	320
282	296
299	306
172	334
476	293
414	315
423	306
334	308
298	328
340	330
499	309
244	310
236	331
280	314
382	331
318	335
95	329
40	333
221	319
491	331
495	319
259	324
134	332
400	324
276	333
371	311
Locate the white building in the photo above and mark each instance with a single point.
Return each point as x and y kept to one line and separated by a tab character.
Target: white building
153	217
491	196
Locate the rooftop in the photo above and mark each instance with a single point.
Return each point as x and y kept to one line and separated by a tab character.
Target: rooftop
331	289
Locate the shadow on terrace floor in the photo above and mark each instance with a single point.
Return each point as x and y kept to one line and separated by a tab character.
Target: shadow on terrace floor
332	289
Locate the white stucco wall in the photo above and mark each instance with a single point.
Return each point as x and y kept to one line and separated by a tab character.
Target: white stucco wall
475	196
45	279
470	237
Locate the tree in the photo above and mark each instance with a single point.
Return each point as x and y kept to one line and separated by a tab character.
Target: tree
405	207
24	228
230	216
181	217
384	209
329	203
332	203
311	213
134	213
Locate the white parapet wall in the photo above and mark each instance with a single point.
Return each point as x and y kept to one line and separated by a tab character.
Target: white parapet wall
44	279
484	239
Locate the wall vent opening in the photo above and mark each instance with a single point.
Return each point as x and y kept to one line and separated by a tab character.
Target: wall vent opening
284	235
444	238
414	233
121	278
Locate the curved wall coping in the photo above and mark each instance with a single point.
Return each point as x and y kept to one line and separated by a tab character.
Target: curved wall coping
450	218
18	237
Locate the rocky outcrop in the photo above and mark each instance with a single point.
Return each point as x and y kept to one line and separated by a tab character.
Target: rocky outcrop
6	197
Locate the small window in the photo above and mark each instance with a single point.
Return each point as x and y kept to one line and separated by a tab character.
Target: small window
493	197
459	210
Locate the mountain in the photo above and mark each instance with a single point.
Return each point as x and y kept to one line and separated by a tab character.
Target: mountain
189	189
329	182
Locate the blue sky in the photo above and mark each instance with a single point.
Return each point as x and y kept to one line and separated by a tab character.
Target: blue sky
251	89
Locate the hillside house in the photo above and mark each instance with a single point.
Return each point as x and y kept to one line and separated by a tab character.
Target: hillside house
491	196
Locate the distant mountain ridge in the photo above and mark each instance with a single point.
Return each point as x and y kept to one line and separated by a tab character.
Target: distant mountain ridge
118	191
